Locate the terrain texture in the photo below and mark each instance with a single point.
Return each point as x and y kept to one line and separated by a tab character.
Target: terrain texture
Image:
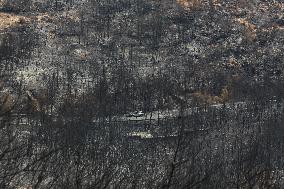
141	94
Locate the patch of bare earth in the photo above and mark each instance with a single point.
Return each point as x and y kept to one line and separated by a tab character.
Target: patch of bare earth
11	20
190	4
196	4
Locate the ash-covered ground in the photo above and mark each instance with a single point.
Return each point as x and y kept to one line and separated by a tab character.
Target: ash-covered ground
141	94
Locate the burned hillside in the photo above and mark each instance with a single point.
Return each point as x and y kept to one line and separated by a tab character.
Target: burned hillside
141	94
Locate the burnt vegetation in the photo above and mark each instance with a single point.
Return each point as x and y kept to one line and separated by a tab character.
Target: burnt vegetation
141	94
